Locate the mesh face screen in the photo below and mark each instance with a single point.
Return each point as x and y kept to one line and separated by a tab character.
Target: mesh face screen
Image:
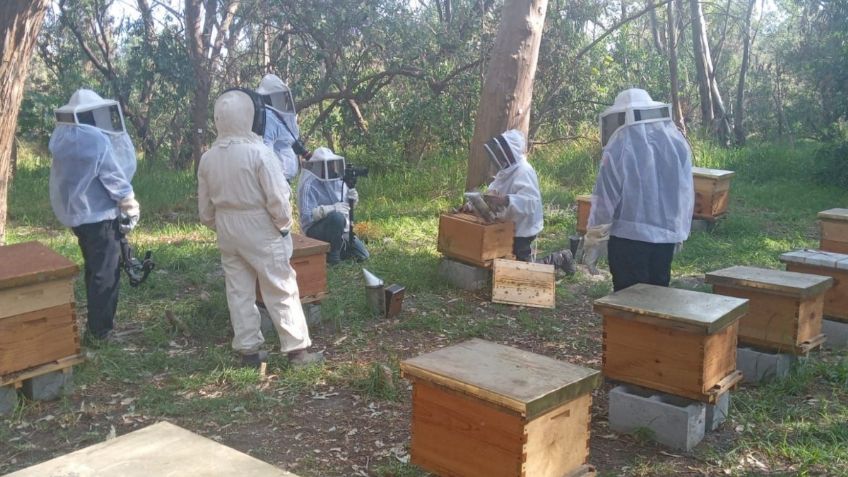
609	124
647	114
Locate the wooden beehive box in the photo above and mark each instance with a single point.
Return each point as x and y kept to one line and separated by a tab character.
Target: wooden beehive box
712	192
677	341
784	308
37	320
829	264
468	238
834	230
157	450
309	260
523	283
481	409
584	207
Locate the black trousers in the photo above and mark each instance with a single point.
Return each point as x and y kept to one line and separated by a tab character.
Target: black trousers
632	262
521	248
101	249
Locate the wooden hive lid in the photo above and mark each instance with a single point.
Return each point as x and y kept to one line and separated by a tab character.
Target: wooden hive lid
305	246
32	262
524	382
836	261
584	198
835	214
775	281
712	173
704	312
159	449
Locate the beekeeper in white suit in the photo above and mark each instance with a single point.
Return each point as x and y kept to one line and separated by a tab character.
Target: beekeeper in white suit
281	131
644	196
323	200
514	195
91	192
243	196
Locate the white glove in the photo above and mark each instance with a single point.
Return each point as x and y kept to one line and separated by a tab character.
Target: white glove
321	211
593	243
130	213
341	208
353	195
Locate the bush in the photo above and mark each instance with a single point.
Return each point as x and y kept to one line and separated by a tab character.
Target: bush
831	165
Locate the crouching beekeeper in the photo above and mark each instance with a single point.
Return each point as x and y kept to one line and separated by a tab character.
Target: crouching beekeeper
243	195
514	195
90	191
644	194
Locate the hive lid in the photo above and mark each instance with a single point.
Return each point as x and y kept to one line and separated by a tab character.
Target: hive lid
834	214
817	258
704	312
32	262
776	281
712	173
305	246
584	198
524	382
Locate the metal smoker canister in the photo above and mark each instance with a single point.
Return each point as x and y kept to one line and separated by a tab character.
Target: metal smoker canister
375	296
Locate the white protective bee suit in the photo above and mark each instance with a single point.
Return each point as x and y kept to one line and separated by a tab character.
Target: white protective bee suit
281	129
243	196
519	182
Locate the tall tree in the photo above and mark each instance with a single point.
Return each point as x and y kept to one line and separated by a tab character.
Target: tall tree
20	21
739	110
673	74
508	87
713	113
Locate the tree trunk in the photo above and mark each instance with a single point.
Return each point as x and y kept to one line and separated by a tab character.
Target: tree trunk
739	113
508	87
20	21
676	109
701	65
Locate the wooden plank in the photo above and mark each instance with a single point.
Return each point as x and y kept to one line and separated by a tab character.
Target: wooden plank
37	296
162	449
523	283
835	299
16	379
772	282
524	382
584	209
458	435
705	311
37	337
304	246
558	441
311	274
32	262
833	246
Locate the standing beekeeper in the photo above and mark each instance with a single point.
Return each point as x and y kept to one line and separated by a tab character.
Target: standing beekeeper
91	192
281	131
514	195
323	200
242	195
644	195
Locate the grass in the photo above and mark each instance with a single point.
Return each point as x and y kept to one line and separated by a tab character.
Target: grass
796	426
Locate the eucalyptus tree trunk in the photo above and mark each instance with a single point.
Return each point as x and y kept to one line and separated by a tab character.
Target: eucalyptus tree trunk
674	76
739	110
508	86
20	21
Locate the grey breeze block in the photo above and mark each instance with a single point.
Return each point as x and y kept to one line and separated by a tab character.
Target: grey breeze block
8	399
759	365
836	332
49	386
675	422
466	277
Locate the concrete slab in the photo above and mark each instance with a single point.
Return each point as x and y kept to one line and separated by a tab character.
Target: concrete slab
837	334
717	413
466	277
8	399
672	421
759	365
313	314
47	387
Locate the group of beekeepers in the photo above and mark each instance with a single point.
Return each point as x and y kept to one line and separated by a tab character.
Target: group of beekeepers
641	205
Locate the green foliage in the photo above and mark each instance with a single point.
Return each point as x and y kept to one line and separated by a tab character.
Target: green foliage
831	166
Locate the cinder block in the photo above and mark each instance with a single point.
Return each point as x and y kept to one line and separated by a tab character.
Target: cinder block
313	314
717	413
8	399
49	386
758	365
701	225
266	326
673	421
466	277
836	332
